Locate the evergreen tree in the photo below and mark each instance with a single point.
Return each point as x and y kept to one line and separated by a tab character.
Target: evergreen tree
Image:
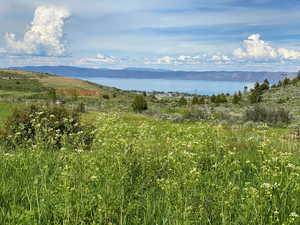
201	100
182	101
195	100
286	81
265	85
139	104
52	95
240	94
236	99
255	97
213	99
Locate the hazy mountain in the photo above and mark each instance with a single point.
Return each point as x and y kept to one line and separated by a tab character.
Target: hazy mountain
141	73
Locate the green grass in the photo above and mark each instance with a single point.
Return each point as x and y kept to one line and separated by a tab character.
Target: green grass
143	171
6	110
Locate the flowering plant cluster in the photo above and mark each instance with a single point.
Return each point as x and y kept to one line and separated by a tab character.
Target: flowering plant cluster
47	127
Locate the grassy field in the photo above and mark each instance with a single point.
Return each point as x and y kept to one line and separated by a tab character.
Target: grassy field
144	171
174	164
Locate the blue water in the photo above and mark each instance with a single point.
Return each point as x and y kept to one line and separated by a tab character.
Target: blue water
183	86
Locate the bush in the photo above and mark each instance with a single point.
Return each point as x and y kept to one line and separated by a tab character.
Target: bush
105	96
48	127
139	104
195	100
182	101
268	115
198	101
236	98
255	97
80	107
196	114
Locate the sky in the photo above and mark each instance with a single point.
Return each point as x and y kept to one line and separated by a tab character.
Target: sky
194	35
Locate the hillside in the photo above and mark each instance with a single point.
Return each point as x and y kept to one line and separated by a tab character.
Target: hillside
140	73
176	163
47	81
31	87
21	87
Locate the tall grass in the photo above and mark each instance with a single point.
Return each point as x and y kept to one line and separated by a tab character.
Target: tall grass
142	171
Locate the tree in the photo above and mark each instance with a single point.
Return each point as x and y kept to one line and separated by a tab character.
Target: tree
213	99
256	86
195	100
81	107
240	94
139	104
201	100
265	85
255	97
182	101
221	98
236	99
286	81
52	95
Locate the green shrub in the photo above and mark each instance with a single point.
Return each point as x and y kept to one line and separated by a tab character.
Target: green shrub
80	107
105	96
51	127
198	100
182	101
267	115
139	104
236	98
195	100
255	96
196	114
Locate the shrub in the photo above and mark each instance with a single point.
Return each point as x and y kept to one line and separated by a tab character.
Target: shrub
198	100
268	115
255	96
196	114
182	101
51	94
139	104
236	99
80	107
195	100
48	127
105	96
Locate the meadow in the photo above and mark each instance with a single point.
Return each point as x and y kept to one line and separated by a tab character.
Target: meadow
143	171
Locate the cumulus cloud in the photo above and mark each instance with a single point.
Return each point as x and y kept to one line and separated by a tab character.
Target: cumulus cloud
220	59
255	48
45	35
178	60
166	60
99	59
191	60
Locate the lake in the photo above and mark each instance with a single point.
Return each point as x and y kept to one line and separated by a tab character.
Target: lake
184	86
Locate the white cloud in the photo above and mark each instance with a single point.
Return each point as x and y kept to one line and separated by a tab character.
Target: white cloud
179	60
166	60
99	59
255	48
44	36
191	60
220	59
288	54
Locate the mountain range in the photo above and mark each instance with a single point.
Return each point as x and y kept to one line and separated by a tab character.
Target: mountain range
145	73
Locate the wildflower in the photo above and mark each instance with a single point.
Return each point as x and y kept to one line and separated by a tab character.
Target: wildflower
290	165
93	177
266	185
293	214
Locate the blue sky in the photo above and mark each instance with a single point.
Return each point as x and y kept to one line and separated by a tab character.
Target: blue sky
171	34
